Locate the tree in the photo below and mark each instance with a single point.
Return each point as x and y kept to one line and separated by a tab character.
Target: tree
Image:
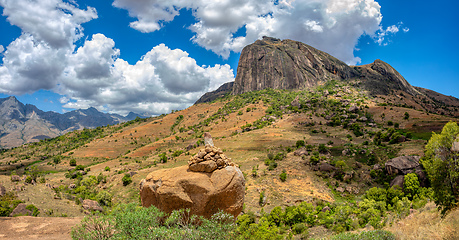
442	166
407	116
411	184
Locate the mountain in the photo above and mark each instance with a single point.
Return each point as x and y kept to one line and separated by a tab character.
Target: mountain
26	123
287	64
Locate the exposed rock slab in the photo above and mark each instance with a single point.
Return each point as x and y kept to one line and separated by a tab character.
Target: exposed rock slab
203	193
402	165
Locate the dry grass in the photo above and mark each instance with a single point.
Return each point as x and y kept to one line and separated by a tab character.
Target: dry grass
427	224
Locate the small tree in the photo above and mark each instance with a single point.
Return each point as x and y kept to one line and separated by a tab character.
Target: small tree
411	184
407	116
126	179
442	166
283	176
73	162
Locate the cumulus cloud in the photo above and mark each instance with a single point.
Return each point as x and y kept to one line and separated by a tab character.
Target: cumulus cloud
55	22
2	49
163	80
93	75
331	25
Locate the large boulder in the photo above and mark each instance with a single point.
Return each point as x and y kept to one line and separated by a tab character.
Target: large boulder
204	193
21	210
92	205
402	165
398	181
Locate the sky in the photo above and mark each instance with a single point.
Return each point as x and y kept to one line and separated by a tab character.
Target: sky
155	56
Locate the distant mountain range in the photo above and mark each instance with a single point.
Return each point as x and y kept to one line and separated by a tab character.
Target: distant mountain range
20	124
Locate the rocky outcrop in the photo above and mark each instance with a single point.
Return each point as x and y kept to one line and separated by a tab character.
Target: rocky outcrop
204	193
21	210
286	64
210	183
402	165
222	91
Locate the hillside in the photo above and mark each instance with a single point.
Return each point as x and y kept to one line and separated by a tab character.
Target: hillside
22	124
313	158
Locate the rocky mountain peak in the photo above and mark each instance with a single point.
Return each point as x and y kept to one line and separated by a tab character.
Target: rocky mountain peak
286	64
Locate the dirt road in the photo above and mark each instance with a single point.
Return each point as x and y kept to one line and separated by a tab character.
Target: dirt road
43	228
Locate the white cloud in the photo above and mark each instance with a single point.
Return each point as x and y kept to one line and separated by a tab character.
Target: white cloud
93	75
163	80
2	48
330	25
382	35
55	22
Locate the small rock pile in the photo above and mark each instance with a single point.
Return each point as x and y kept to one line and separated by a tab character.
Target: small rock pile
208	160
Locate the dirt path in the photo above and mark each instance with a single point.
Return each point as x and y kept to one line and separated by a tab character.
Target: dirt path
43	228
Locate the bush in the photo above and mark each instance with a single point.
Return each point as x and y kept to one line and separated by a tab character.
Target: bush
126	179
300	143
107	168
283	176
104	198
72	162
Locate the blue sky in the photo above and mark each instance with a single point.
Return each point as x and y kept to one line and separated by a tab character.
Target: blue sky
155	56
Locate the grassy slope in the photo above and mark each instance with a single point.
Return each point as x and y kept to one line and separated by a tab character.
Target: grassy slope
136	146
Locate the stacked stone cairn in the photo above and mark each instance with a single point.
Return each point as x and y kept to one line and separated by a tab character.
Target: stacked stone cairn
209	158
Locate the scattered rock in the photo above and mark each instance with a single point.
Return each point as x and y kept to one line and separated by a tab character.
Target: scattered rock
296	102
358	165
353	109
132	173
402	165
326	209
340	189
376	166
348	176
191	132
21	210
325	167
72	186
191	146
203	193
92	205
301	152
2	190
363	119
345	152
15	178
398	181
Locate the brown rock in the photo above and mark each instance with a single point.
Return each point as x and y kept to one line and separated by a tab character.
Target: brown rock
340	189
353	108
21	210
2	190
300	152
15	178
203	193
205	166
402	165
325	167
398	181
92	205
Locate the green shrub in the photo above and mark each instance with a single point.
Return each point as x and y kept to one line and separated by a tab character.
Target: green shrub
300	143
283	176
107	168
126	179
72	162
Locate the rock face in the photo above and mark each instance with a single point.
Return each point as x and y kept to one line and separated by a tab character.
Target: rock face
223	90
287	64
203	193
402	165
